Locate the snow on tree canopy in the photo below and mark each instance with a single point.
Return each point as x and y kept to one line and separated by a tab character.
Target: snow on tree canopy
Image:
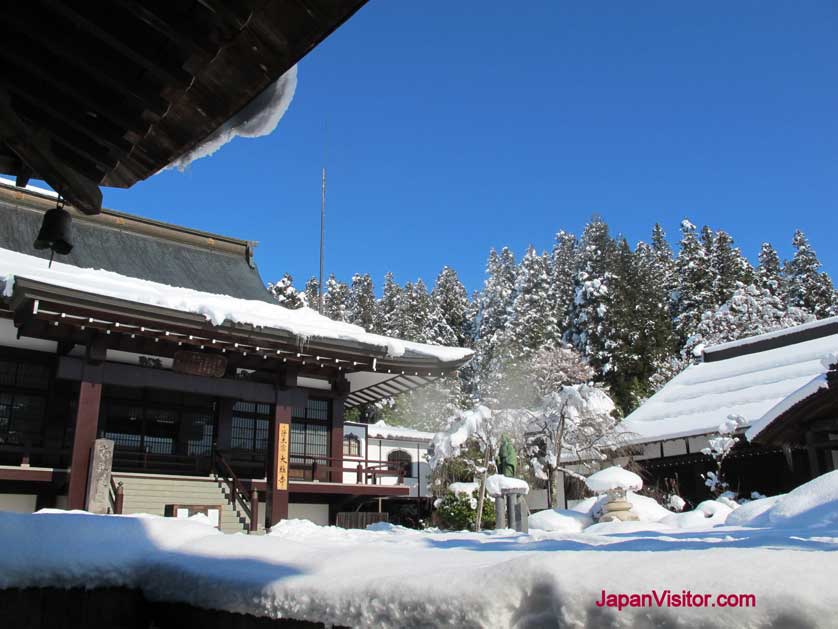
613	478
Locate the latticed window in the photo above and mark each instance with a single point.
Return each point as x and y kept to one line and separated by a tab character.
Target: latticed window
23	402
399	460
158	422
351	445
251	423
310	432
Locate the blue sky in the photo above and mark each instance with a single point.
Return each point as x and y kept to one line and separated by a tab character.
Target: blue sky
454	127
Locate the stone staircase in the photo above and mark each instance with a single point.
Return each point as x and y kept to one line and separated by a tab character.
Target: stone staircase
151	493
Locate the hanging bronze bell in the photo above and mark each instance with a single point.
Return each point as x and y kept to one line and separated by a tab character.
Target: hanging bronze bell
56	232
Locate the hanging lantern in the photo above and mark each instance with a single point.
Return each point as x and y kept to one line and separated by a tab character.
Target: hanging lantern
55	231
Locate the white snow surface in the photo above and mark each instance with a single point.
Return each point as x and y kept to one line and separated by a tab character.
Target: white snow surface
702	396
388	576
304	323
260	117
614	477
382	430
496	483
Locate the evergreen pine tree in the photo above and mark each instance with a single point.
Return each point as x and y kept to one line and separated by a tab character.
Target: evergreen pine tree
495	300
768	275
451	300
389	307
311	293
530	323
730	268
285	293
695	280
563	269
361	308
336	300
587	330
806	287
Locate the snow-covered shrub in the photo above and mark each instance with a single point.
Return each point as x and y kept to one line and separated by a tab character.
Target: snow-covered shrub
458	511
578	420
720	446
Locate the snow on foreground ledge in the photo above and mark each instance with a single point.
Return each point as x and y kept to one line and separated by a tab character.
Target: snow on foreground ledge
394	577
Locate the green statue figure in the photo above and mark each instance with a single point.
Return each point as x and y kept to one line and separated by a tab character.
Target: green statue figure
507	459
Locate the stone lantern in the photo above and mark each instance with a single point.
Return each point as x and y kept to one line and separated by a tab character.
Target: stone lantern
615	482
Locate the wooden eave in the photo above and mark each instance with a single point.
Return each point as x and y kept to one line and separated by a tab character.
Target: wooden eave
109	92
790	426
58	306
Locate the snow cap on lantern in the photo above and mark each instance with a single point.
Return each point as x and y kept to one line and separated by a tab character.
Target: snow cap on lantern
615	481
614	478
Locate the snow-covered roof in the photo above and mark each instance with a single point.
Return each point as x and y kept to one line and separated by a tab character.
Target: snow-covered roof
749	383
305	324
810	388
381	430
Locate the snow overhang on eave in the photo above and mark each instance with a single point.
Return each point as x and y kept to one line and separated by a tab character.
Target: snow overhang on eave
61	305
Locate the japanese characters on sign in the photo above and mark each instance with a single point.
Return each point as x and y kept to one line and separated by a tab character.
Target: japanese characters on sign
282	457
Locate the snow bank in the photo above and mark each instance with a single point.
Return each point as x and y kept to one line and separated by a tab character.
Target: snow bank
561	520
260	117
388	576
707	513
813	505
496	483
304	323
75	548
613	478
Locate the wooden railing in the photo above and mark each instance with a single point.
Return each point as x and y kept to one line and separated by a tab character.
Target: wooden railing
126	460
366	471
25	455
116	496
247	501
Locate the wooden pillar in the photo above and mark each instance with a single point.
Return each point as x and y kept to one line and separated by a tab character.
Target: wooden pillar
277	494
87	422
224	429
336	433
814	468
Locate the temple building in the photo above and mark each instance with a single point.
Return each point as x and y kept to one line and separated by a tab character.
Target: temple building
163	341
783	389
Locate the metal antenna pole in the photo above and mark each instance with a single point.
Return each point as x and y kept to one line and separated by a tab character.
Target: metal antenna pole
322	238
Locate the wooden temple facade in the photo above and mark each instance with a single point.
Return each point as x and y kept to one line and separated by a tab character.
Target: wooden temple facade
247	419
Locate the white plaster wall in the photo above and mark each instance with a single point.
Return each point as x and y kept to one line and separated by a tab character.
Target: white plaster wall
419	480
317	513
19	503
8	338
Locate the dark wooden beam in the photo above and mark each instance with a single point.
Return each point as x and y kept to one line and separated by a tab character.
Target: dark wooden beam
24	174
35	150
183	30
50	42
168	72
87	422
